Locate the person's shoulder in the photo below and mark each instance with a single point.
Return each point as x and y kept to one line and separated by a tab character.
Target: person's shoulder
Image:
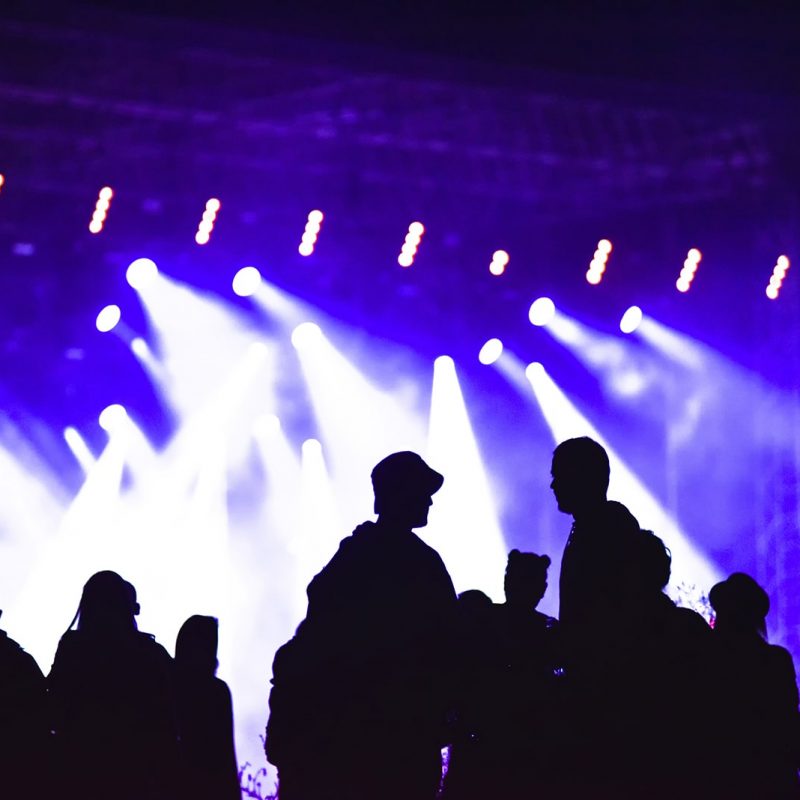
781	658
13	652
147	643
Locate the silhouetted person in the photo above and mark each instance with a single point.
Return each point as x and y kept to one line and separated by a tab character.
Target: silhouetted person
474	684
755	732
111	699
361	693
667	681
205	716
599	551
507	746
597	623
23	722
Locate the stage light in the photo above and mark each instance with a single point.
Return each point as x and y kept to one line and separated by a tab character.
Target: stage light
113	418
101	209
207	221
266	426
108	318
631	319
467	534
491	351
410	244
359	422
311	232
311	448
141	273
2	180
305	335
688	271
778	275
597	266
542	311
566	421
140	347
500	259
444	362
534	370
79	448
246	281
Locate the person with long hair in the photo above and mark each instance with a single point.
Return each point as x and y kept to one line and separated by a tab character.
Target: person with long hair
111	701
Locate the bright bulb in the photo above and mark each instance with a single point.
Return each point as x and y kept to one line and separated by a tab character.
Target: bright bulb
267	425
305	335
604	246
444	362
246	281
772	292
496	268
139	347
500	257
141	273
783	262
682	285
113	417
311	447
416	228
694	255
108	318
542	311
315	216
491	351
593	277
631	319
534	370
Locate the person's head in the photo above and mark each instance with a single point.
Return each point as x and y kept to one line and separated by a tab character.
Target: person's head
526	579
580	473
404	485
107	604
654	563
740	605
196	645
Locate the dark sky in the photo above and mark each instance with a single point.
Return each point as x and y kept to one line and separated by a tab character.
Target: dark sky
733	46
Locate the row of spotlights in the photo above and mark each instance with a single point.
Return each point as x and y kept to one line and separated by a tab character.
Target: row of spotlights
689	269
207	221
778	274
311	232
101	209
597	266
411	244
500	259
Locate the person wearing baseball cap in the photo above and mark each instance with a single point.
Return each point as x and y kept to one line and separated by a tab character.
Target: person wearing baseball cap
364	683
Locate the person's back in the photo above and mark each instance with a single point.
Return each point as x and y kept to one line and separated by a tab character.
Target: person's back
23	720
205	716
111	702
373	654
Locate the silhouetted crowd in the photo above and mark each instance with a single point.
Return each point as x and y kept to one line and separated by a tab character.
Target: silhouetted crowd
626	695
117	717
